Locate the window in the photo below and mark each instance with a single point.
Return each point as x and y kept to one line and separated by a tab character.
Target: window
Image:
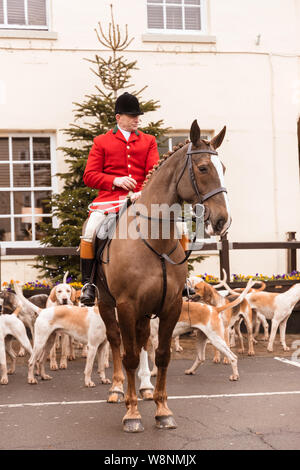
25	185
23	14
167	142
176	15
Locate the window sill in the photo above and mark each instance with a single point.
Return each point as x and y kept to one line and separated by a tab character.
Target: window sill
27	34
161	37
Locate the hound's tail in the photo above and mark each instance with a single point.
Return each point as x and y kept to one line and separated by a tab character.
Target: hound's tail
239	299
23	302
223	283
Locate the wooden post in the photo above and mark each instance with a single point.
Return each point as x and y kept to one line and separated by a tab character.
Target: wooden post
224	257
291	258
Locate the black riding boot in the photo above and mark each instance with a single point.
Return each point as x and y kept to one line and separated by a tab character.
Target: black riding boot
88	291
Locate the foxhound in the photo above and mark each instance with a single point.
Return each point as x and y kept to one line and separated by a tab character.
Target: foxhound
276	307
62	294
11	326
207	321
84	324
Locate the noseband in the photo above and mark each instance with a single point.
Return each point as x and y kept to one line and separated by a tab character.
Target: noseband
189	164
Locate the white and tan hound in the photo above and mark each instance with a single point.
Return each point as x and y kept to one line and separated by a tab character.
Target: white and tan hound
207	321
11	326
62	294
84	324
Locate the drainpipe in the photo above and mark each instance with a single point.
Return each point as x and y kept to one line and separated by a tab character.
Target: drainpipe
274	161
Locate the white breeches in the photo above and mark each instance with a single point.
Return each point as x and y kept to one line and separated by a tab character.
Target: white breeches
97	217
94	221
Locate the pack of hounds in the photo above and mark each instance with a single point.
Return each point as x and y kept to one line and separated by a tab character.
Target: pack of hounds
43	323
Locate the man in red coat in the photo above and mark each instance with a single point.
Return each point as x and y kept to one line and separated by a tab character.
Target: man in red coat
117	164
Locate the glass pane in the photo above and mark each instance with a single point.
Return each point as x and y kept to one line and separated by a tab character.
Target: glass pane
174	1
192	18
155	1
179	139
174	18
21	175
39	233
163	145
15	12
41	148
23	229
4	175
42	174
155	17
4	202
41	199
20	148
4	148
192	2
5	232
37	12
1	12
22	200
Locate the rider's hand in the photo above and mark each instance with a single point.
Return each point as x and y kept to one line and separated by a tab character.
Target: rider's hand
135	196
125	182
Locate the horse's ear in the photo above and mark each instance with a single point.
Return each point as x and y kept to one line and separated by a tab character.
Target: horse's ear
218	139
195	132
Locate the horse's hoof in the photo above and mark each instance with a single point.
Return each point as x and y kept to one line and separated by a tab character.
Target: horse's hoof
115	397
146	394
165	422
133	425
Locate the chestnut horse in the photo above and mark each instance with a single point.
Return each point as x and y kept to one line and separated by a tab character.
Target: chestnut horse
134	276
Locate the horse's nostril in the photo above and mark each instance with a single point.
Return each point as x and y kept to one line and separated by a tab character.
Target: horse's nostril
220	224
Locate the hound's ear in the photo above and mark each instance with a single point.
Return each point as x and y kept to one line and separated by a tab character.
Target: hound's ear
52	295
73	295
218	139
195	132
17	311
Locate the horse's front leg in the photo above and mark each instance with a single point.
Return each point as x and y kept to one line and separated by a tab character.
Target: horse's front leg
168	319
116	392
132	421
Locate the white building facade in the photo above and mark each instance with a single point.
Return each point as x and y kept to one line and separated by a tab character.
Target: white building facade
222	62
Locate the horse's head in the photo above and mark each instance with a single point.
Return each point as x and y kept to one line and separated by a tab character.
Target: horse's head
202	180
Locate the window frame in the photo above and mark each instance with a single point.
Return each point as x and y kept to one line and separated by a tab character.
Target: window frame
183	31
6	25
11	189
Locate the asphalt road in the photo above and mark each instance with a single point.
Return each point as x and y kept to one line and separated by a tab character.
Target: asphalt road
259	412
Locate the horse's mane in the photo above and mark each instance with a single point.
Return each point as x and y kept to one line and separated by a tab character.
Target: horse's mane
163	159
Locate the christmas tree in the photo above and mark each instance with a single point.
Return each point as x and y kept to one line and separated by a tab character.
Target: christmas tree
92	117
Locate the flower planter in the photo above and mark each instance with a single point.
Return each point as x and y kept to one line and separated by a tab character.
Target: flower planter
30	292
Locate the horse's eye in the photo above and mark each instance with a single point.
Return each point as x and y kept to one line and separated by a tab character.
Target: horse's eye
202	169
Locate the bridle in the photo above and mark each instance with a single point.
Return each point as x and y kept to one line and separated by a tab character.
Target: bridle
189	164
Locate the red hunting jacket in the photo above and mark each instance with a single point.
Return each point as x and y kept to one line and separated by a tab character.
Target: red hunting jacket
111	155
